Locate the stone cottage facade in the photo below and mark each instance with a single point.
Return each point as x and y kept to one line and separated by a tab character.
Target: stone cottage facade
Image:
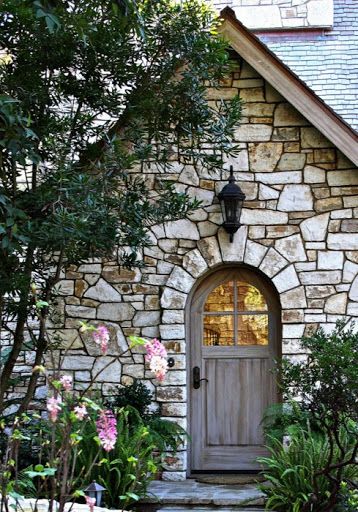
300	232
299	240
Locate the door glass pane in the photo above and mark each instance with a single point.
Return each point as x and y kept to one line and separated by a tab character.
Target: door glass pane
218	330
221	298
250	298
252	330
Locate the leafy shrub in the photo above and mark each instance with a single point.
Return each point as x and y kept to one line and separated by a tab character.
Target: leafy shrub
125	471
138	399
297	471
327	383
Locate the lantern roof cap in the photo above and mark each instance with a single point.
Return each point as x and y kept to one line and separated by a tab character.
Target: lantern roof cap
94	486
231	189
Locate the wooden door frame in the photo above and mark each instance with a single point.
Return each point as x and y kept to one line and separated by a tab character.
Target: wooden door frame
273	300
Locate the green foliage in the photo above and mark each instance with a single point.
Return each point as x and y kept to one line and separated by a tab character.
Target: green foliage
327	383
138	400
295	473
126	471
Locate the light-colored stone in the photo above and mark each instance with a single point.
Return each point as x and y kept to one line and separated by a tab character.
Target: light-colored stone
172	299
77	362
350	270
264	156
314	229
278	178
65	287
239	161
295	198
293	330
103	292
287	115
353	292
182	228
265	17
181	280
342	241
80	312
146	318
266	192
336	305
207	228
172	331
320	277
210	250
291	162
293	299
314	174
204	196
291	248
272	263
320	13
107	369
330	260
117	312
254	253
266	217
233	251
286	279
172	316
253	133
90	268
189	176
194	263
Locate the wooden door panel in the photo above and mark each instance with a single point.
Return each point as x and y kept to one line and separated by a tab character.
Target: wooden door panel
227	409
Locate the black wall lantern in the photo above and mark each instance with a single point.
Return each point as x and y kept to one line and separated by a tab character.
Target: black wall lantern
231	200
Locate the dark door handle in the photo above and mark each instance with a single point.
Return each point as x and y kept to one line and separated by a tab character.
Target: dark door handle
196	377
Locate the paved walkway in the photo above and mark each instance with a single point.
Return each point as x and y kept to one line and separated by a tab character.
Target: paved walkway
192	495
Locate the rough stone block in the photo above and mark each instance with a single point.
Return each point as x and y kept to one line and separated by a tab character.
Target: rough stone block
320	277
210	251
266	217
342	242
293	299
272	263
291	162
291	248
315	228
296	198
330	260
286	279
265	17
264	156
118	312
172	299
287	115
254	253
182	228
233	251
194	263
314	174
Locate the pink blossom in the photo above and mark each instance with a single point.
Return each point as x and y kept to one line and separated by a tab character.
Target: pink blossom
101	337
159	366
80	412
66	381
155	348
53	407
107	430
90	502
157	358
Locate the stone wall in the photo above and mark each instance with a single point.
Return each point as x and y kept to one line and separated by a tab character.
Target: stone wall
300	225
281	14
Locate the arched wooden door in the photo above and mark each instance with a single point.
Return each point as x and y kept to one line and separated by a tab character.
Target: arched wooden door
234	339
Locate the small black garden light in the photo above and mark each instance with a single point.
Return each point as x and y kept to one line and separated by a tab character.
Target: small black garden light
95	491
231	200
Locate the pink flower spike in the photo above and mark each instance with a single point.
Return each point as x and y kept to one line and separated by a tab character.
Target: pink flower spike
107	430
80	412
90	502
53	407
66	381
101	337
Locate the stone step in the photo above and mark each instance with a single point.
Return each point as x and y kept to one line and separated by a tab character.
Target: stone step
191	495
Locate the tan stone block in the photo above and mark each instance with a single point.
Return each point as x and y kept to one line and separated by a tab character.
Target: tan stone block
287	115
344	191
350	202
258	109
291	147
272	95
287	134
329	204
281	231
312	138
352	255
334	226
263	157
319	291
292	315
252	95
222	93
291	161
247	83
337	304
314	174
253	133
324	155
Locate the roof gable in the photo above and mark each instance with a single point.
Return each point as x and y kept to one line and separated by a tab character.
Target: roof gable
294	90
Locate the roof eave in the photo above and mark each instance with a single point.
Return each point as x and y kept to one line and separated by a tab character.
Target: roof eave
289	85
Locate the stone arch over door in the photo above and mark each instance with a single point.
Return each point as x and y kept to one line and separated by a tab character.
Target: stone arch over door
233	336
